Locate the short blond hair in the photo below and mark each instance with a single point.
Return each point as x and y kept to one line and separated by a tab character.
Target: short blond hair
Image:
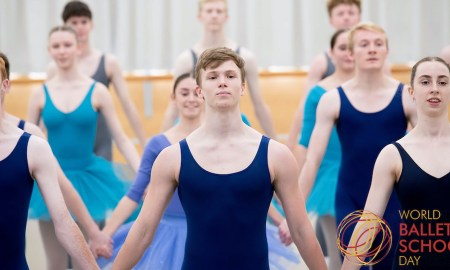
63	28
331	4
367	26
214	58
202	2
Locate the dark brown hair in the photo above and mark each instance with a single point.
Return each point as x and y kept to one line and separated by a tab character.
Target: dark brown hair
76	9
423	60
179	79
335	36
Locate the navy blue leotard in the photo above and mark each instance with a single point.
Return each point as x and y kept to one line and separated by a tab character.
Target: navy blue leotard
362	136
226	214
16	185
418	190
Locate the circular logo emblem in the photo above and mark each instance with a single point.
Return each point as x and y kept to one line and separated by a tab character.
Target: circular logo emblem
371	240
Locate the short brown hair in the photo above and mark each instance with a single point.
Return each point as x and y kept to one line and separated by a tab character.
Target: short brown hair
202	2
215	57
426	59
2	69
368	26
4	66
331	4
76	9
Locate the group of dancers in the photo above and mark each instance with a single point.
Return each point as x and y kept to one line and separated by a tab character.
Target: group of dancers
208	181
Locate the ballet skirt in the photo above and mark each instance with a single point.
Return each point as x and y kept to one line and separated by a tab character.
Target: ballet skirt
71	137
322	197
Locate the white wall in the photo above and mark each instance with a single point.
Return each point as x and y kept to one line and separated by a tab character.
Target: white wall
148	34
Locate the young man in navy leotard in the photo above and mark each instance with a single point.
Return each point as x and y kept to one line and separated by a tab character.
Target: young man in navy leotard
370	111
226	173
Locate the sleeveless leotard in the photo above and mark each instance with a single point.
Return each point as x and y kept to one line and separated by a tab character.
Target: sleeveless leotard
103	139
71	137
100	74
417	190
21	124
16	185
330	67
322	196
170	236
151	152
226	213
362	136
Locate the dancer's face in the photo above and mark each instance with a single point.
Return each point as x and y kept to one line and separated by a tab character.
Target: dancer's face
189	104
431	88
341	53
213	15
63	48
222	86
369	49
344	16
82	25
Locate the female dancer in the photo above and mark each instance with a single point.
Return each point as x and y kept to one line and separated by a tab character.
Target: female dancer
69	104
417	166
322	196
370	111
102	67
342	14
25	159
171	234
99	243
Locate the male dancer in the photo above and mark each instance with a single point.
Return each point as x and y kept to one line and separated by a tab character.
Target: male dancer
226	173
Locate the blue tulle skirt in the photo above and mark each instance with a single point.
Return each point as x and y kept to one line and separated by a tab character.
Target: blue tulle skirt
280	256
322	197
167	249
96	182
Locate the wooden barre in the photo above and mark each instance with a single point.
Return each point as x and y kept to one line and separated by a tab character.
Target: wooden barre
281	91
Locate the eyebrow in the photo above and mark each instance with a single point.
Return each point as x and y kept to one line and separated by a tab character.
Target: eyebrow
428	76
225	71
372	39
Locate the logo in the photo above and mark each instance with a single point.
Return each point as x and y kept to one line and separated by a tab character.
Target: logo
370	240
